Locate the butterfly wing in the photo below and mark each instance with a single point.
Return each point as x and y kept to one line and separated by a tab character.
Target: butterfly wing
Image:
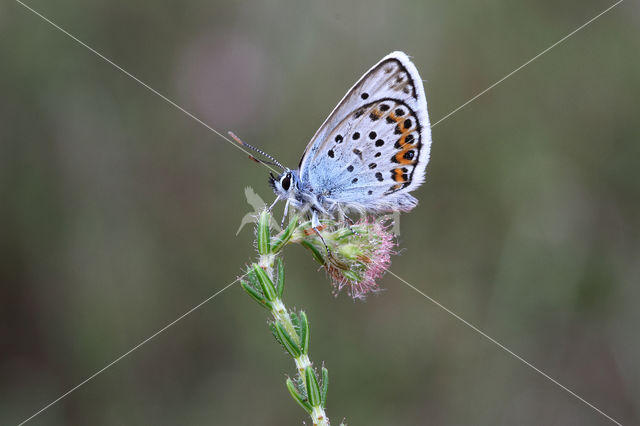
374	147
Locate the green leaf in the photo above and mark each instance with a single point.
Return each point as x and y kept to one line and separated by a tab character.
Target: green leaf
294	319
353	276
344	233
314	251
280	283
325	386
274	331
264	234
265	282
255	294
287	341
298	398
283	237
304	332
253	280
313	390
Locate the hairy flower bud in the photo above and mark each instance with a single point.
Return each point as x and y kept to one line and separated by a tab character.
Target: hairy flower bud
355	256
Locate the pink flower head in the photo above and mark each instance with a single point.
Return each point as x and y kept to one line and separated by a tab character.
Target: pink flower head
359	255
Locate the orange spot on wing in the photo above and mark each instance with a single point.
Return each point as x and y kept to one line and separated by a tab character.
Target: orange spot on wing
392	116
403	145
399	158
403	140
399	175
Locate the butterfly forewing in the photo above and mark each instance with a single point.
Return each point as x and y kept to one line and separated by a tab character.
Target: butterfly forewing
374	147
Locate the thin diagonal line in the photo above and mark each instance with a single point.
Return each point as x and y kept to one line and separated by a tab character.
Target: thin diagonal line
145	85
242	149
103	369
527	63
504	348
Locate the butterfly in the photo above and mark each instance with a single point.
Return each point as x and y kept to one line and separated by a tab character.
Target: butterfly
371	151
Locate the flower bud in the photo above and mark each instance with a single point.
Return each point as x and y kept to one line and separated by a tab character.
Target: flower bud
355	256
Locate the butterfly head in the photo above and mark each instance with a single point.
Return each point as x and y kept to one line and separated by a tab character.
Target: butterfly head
286	184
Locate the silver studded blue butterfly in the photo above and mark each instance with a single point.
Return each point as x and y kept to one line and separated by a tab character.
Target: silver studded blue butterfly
370	153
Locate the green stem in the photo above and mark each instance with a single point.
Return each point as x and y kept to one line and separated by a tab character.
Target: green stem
281	315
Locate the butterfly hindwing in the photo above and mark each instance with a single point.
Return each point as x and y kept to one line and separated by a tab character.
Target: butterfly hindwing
374	147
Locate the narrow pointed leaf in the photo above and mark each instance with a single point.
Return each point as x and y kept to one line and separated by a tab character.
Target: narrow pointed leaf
287	341
314	251
313	390
265	282
274	332
280	283
325	386
298	398
264	237
294	319
255	295
251	277
304	332
283	237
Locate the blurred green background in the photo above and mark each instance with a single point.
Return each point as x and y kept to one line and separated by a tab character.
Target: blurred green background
118	213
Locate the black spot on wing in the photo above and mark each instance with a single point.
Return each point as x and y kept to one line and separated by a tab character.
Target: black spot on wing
404	120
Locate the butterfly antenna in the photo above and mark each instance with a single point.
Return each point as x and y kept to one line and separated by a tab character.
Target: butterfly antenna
259	151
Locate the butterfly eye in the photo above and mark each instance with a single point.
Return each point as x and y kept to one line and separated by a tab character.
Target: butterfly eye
286	182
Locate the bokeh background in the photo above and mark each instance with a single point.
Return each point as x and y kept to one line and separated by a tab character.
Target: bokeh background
118	213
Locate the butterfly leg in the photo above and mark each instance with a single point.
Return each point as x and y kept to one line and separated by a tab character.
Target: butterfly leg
346	219
284	215
274	203
349	223
315	221
330	257
315	225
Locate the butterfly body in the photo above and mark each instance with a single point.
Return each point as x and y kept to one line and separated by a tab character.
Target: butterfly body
370	152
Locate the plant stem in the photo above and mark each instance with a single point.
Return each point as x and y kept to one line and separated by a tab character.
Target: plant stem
281	315
290	328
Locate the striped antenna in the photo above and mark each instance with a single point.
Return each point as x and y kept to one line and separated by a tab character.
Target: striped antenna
273	161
